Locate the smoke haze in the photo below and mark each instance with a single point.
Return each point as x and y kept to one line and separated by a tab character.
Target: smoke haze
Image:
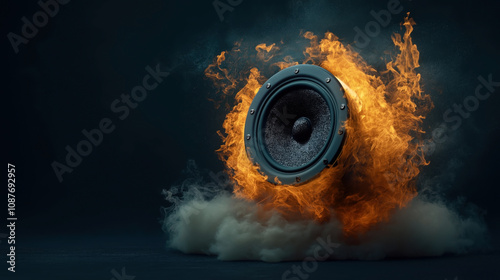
206	219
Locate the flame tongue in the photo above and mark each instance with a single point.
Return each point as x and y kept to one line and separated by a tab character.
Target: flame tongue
380	158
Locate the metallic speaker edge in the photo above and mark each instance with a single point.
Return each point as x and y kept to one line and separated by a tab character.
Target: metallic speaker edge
306	73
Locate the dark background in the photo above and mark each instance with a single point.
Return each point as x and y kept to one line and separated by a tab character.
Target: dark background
106	214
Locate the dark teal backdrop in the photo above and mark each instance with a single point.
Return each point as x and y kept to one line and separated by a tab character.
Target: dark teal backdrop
65	78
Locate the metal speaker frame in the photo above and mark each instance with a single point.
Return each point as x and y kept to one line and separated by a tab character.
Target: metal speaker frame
303	76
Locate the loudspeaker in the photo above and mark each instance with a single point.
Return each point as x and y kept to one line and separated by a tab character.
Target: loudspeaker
294	127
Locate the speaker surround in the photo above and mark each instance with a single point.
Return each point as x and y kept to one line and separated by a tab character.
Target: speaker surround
294	127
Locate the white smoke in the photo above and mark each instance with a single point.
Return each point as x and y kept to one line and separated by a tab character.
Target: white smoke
209	220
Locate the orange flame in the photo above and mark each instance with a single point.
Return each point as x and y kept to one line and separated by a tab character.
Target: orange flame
374	173
266	53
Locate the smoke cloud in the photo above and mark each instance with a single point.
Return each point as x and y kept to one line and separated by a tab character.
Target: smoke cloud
205	218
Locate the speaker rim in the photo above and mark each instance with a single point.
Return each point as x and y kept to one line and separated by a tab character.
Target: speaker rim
300	75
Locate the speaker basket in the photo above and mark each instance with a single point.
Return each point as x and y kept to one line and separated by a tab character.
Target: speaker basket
294	127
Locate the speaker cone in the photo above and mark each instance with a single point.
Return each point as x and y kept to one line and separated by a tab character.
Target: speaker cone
294	128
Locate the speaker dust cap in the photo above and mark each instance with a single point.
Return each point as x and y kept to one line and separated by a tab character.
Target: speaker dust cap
294	127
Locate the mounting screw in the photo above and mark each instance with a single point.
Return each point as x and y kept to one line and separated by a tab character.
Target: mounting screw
248	136
328	80
297	179
297	71
340	132
268	85
252	111
342	106
325	162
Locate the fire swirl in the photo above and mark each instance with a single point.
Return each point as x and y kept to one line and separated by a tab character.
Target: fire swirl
382	155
